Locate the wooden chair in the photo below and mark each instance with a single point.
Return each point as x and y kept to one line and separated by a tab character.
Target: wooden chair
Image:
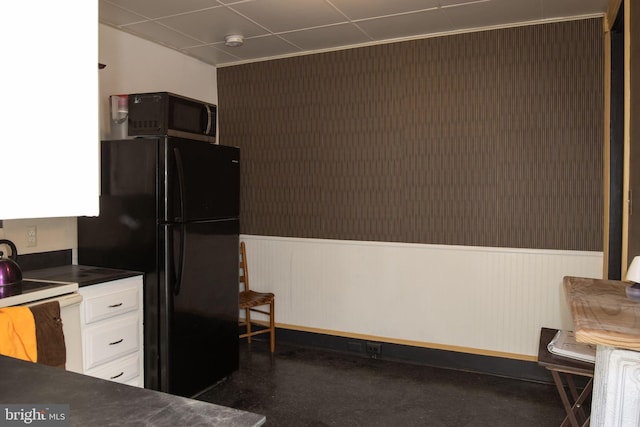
249	300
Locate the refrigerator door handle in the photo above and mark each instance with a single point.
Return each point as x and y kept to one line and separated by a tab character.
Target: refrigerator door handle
180	168
181	183
178	280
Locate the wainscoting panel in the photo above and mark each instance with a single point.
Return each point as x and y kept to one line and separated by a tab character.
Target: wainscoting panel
472	299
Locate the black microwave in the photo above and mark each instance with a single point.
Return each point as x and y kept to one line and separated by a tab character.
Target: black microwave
164	113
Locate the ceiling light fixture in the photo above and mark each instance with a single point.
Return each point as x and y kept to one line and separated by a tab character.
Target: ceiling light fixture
234	40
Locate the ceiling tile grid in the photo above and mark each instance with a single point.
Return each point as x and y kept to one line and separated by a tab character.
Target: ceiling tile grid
277	28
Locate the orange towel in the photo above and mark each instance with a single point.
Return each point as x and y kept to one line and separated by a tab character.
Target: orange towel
18	333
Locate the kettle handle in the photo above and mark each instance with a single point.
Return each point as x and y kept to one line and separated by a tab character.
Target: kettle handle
14	250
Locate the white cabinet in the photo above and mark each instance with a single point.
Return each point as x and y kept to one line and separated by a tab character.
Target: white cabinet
111	316
56	153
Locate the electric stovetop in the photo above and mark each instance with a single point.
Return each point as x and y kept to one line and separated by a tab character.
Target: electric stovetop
56	281
83	275
27	291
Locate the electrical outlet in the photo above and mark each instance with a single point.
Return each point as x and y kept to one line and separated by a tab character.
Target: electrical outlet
32	236
374	348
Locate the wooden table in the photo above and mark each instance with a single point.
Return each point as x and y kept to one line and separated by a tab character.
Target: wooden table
603	315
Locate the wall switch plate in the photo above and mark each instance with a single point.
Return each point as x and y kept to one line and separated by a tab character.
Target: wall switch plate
32	236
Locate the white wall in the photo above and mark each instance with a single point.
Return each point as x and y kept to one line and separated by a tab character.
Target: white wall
490	301
133	65
52	234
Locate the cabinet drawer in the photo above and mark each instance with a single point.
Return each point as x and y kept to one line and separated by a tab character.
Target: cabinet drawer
136	382
110	340
101	307
122	370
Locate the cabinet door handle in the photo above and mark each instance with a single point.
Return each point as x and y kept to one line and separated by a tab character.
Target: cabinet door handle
115	305
116	376
116	342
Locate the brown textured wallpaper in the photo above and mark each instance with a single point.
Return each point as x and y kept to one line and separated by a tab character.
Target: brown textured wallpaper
491	139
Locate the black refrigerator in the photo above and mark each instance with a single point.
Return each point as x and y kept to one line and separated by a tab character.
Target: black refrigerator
169	208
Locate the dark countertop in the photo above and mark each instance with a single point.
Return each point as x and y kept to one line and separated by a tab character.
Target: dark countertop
99	402
83	275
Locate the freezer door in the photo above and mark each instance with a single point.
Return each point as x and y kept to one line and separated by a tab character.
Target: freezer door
202	180
199	326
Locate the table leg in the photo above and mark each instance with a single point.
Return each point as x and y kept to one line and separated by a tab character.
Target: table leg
571	417
579	399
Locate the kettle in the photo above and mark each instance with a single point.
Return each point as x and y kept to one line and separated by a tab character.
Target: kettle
10	272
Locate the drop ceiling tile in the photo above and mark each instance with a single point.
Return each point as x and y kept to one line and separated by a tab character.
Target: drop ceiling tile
212	25
446	3
555	8
114	15
153	31
210	55
494	12
407	25
359	9
326	37
285	15
261	47
230	2
156	9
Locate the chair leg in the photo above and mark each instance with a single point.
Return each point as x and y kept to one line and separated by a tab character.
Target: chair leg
272	326
247	317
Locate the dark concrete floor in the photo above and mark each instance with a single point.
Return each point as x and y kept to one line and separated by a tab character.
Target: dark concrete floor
309	387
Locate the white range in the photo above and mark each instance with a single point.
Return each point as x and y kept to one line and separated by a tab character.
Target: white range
33	292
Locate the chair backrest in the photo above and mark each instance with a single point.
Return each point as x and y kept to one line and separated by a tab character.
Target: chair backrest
244	272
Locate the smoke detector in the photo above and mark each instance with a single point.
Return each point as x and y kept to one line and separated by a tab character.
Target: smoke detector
234	40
